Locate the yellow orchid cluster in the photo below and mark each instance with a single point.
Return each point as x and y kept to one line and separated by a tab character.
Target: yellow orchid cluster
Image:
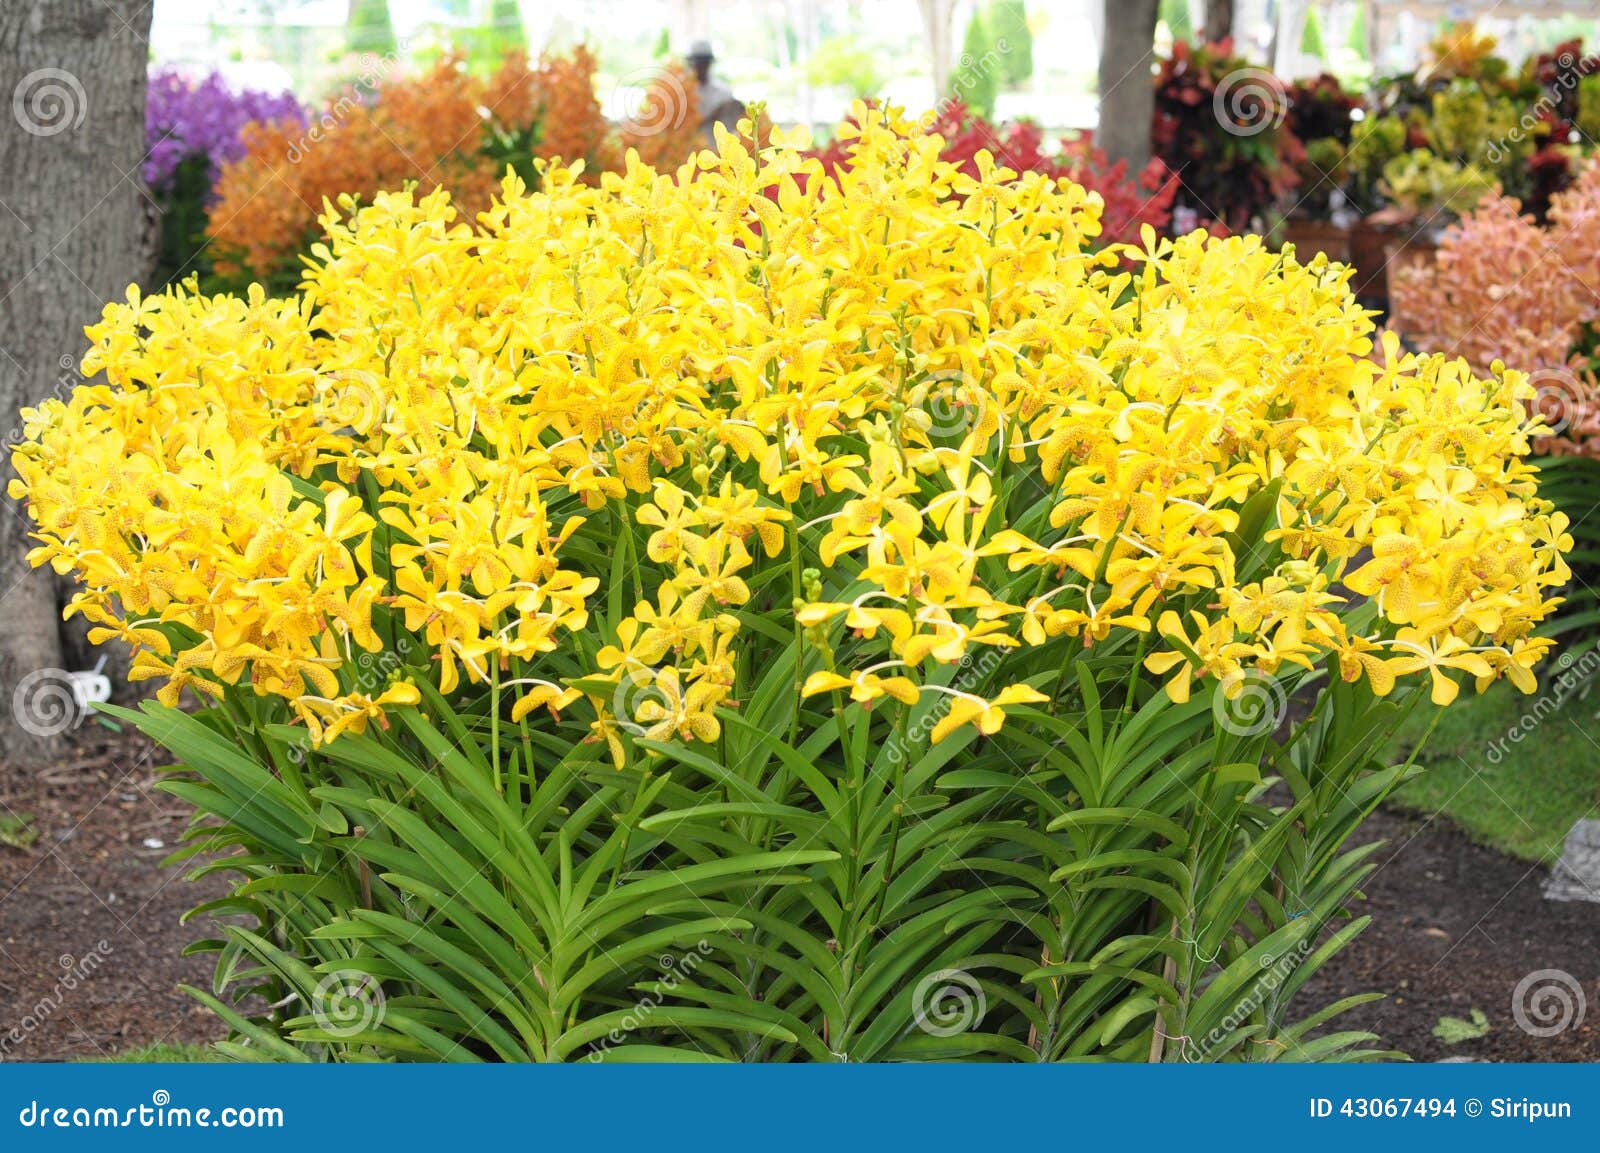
615	443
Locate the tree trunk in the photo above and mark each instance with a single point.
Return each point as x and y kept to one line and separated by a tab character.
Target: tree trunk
1219	20
74	231
1127	93
936	20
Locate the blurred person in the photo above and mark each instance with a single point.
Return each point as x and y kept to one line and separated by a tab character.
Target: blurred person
718	105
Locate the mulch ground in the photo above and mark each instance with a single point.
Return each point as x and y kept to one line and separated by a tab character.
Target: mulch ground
90	941
1455	926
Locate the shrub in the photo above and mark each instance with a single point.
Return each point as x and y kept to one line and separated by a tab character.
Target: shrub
1374	142
1008	23
1311	37
204	118
1482	120
1320	108
846	62
1432	190
506	33
1461	51
760	619
1495	291
1356	39
382	133
1319	114
975	82
1175	15
1503	288
368	28
1220	124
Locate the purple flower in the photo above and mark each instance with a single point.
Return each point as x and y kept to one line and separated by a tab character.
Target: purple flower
185	117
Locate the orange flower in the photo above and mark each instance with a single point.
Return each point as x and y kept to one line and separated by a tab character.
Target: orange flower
445	128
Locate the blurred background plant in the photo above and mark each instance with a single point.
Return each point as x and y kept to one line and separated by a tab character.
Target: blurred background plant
1374	142
845	63
1220	126
193	127
444	128
1323	115
1434	191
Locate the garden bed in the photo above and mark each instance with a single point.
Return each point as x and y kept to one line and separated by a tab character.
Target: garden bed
92	875
1455	925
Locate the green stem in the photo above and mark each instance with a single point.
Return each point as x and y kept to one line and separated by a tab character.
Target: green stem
494	723
799	631
896	810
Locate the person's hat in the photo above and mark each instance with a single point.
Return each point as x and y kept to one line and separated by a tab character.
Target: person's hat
700	50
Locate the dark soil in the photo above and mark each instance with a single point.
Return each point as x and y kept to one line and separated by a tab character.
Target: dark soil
90	944
1455	926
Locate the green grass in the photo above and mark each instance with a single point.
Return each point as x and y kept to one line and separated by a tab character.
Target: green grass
1519	796
158	1054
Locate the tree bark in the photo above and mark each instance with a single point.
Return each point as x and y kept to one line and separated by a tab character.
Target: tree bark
1127	93
74	231
936	20
1219	20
